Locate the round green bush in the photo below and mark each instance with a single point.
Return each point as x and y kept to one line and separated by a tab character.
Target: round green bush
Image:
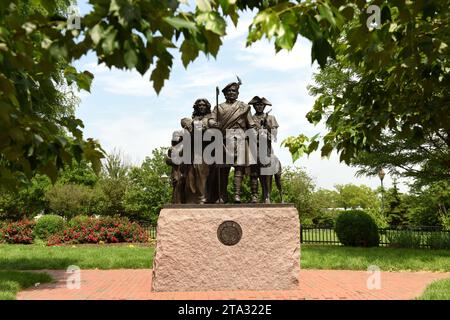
357	229
48	225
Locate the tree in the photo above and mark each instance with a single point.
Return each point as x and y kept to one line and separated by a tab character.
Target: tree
356	197
38	130
298	189
403	64
428	205
80	173
150	188
70	200
396	210
326	199
426	159
28	201
114	182
389	80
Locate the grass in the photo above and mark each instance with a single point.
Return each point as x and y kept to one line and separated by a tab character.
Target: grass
387	259
438	290
11	282
34	257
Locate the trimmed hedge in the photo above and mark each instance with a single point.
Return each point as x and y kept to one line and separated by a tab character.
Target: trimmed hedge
357	229
48	225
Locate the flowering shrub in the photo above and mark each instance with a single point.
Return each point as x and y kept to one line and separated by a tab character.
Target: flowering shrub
104	229
17	232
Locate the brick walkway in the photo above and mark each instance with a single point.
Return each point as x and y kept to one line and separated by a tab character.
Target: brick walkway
314	284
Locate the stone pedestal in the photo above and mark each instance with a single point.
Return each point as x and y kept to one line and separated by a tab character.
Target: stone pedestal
227	247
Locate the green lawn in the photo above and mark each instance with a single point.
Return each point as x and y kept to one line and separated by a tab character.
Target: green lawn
38	256
32	257
388	259
438	290
11	282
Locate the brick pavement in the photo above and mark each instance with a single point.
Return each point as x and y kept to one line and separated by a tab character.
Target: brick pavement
124	284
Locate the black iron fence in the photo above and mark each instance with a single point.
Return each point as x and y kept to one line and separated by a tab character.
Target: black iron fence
405	237
410	237
151	230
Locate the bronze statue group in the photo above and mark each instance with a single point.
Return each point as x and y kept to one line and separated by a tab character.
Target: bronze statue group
199	183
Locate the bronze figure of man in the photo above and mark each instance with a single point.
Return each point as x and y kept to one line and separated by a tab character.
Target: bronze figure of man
269	125
232	115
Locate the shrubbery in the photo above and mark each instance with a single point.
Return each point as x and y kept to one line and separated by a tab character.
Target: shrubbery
357	228
439	240
48	225
76	221
17	232
70	200
104	229
404	239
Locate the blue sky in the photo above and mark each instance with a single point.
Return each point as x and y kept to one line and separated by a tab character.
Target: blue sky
123	112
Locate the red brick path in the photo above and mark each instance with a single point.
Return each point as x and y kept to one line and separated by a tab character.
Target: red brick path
314	284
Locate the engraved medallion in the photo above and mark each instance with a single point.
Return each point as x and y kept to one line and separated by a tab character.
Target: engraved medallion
229	233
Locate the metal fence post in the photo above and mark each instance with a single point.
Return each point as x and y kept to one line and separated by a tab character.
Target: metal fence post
301	234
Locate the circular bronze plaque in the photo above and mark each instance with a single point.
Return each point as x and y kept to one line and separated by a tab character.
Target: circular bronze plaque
229	233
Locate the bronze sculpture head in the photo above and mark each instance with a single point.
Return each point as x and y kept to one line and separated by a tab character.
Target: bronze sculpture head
259	104
201	107
231	92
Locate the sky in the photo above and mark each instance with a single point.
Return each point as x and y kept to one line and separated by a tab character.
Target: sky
123	112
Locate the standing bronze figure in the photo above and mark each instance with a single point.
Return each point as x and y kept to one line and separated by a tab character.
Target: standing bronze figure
232	115
197	173
266	125
178	174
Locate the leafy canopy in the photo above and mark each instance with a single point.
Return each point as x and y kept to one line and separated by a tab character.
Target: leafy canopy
403	66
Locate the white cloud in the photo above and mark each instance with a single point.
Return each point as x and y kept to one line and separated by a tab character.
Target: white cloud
239	31
262	55
126	82
205	75
136	135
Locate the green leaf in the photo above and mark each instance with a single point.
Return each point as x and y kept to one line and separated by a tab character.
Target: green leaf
84	80
179	23
96	33
130	58
213	22
326	150
50	170
313	146
286	37
49	5
189	52
161	73
204	5
213	43
109	43
326	13
320	51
